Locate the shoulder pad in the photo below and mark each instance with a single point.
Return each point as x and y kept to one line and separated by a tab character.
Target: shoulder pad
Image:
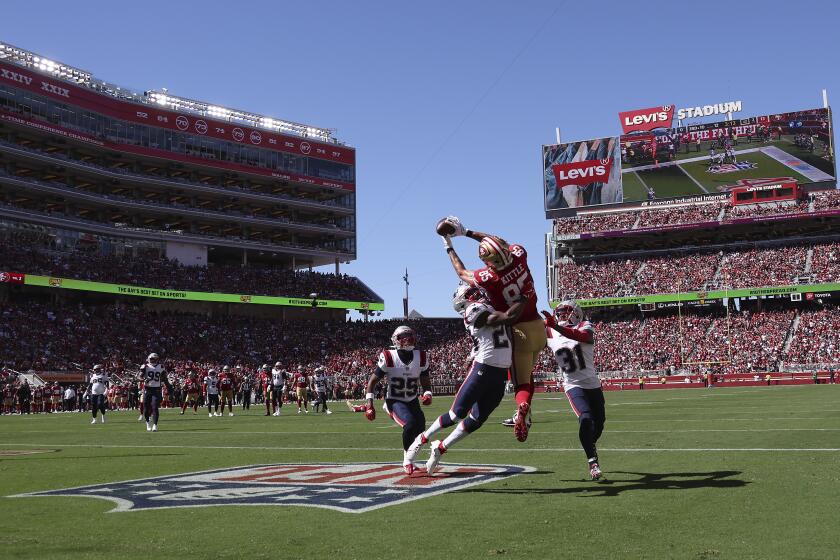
385	359
484	276
474	311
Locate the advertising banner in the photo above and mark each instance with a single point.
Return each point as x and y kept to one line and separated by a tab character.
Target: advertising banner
582	173
120	289
816	290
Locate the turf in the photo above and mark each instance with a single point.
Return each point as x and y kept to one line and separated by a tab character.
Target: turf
766	167
669	181
633	187
682	483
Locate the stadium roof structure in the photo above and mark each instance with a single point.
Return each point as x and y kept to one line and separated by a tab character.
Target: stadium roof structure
28	59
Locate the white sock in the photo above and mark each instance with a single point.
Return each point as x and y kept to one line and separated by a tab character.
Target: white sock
457	435
436	427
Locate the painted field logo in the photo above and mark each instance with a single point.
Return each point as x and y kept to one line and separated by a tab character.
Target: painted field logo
354	488
732	167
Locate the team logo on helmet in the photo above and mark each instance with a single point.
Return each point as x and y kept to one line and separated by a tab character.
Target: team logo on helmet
465	293
495	253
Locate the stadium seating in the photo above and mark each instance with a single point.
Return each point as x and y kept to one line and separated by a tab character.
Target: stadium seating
21	256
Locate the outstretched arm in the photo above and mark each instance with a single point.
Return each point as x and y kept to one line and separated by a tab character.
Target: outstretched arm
457	264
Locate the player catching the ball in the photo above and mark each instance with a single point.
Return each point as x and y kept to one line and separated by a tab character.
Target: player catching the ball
506	278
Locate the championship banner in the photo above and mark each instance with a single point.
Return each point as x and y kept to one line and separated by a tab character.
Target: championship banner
817	290
120	289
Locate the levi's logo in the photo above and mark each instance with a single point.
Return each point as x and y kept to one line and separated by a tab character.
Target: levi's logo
582	173
647	119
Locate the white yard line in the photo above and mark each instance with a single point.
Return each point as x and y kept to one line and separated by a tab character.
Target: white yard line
704	157
457	449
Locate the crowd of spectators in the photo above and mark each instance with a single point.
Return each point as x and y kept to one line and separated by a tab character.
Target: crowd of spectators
48	337
676	273
693	213
825	263
749	341
158	272
776	266
598	222
816	339
763	267
688	214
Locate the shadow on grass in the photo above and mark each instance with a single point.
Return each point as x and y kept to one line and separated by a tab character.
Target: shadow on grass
619	482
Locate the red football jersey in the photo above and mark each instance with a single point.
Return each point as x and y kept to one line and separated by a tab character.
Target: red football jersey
301	381
192	386
225	382
265	379
504	286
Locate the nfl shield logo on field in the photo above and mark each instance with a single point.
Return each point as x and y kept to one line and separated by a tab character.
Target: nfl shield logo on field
354	488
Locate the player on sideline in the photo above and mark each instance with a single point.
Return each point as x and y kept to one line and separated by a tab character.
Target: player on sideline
302	388
226	387
572	341
406	370
319	382
97	389
153	375
506	278
192	388
483	389
274	391
211	392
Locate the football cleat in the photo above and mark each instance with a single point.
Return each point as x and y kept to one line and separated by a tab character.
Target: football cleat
434	457
210	414
414	448
299	411
329	412
154	427
182	413
102	419
93	421
140	418
230	413
594	471
409	468
148	427
521	424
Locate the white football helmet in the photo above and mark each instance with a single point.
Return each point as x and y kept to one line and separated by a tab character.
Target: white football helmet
97	367
212	373
277	365
404	338
466	293
568	313
153	358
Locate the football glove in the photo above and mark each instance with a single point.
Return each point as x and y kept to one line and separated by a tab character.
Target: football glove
447	241
426	398
370	413
550	321
455	222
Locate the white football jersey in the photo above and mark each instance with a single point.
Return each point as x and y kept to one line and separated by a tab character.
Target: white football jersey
403	379
277	377
152	375
99	383
212	384
575	359
491	345
320	381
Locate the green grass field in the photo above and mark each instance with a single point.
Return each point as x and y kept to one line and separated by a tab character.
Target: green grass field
767	167
692	473
668	181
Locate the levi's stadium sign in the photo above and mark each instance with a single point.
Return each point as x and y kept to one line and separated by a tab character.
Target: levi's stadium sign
645	120
183	295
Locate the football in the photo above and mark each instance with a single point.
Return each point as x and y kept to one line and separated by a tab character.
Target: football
443	227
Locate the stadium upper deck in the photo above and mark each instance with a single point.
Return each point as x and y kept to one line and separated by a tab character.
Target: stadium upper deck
88	157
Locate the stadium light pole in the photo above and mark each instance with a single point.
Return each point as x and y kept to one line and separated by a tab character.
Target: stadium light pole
405	299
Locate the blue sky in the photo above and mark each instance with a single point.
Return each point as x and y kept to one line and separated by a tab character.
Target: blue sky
448	103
